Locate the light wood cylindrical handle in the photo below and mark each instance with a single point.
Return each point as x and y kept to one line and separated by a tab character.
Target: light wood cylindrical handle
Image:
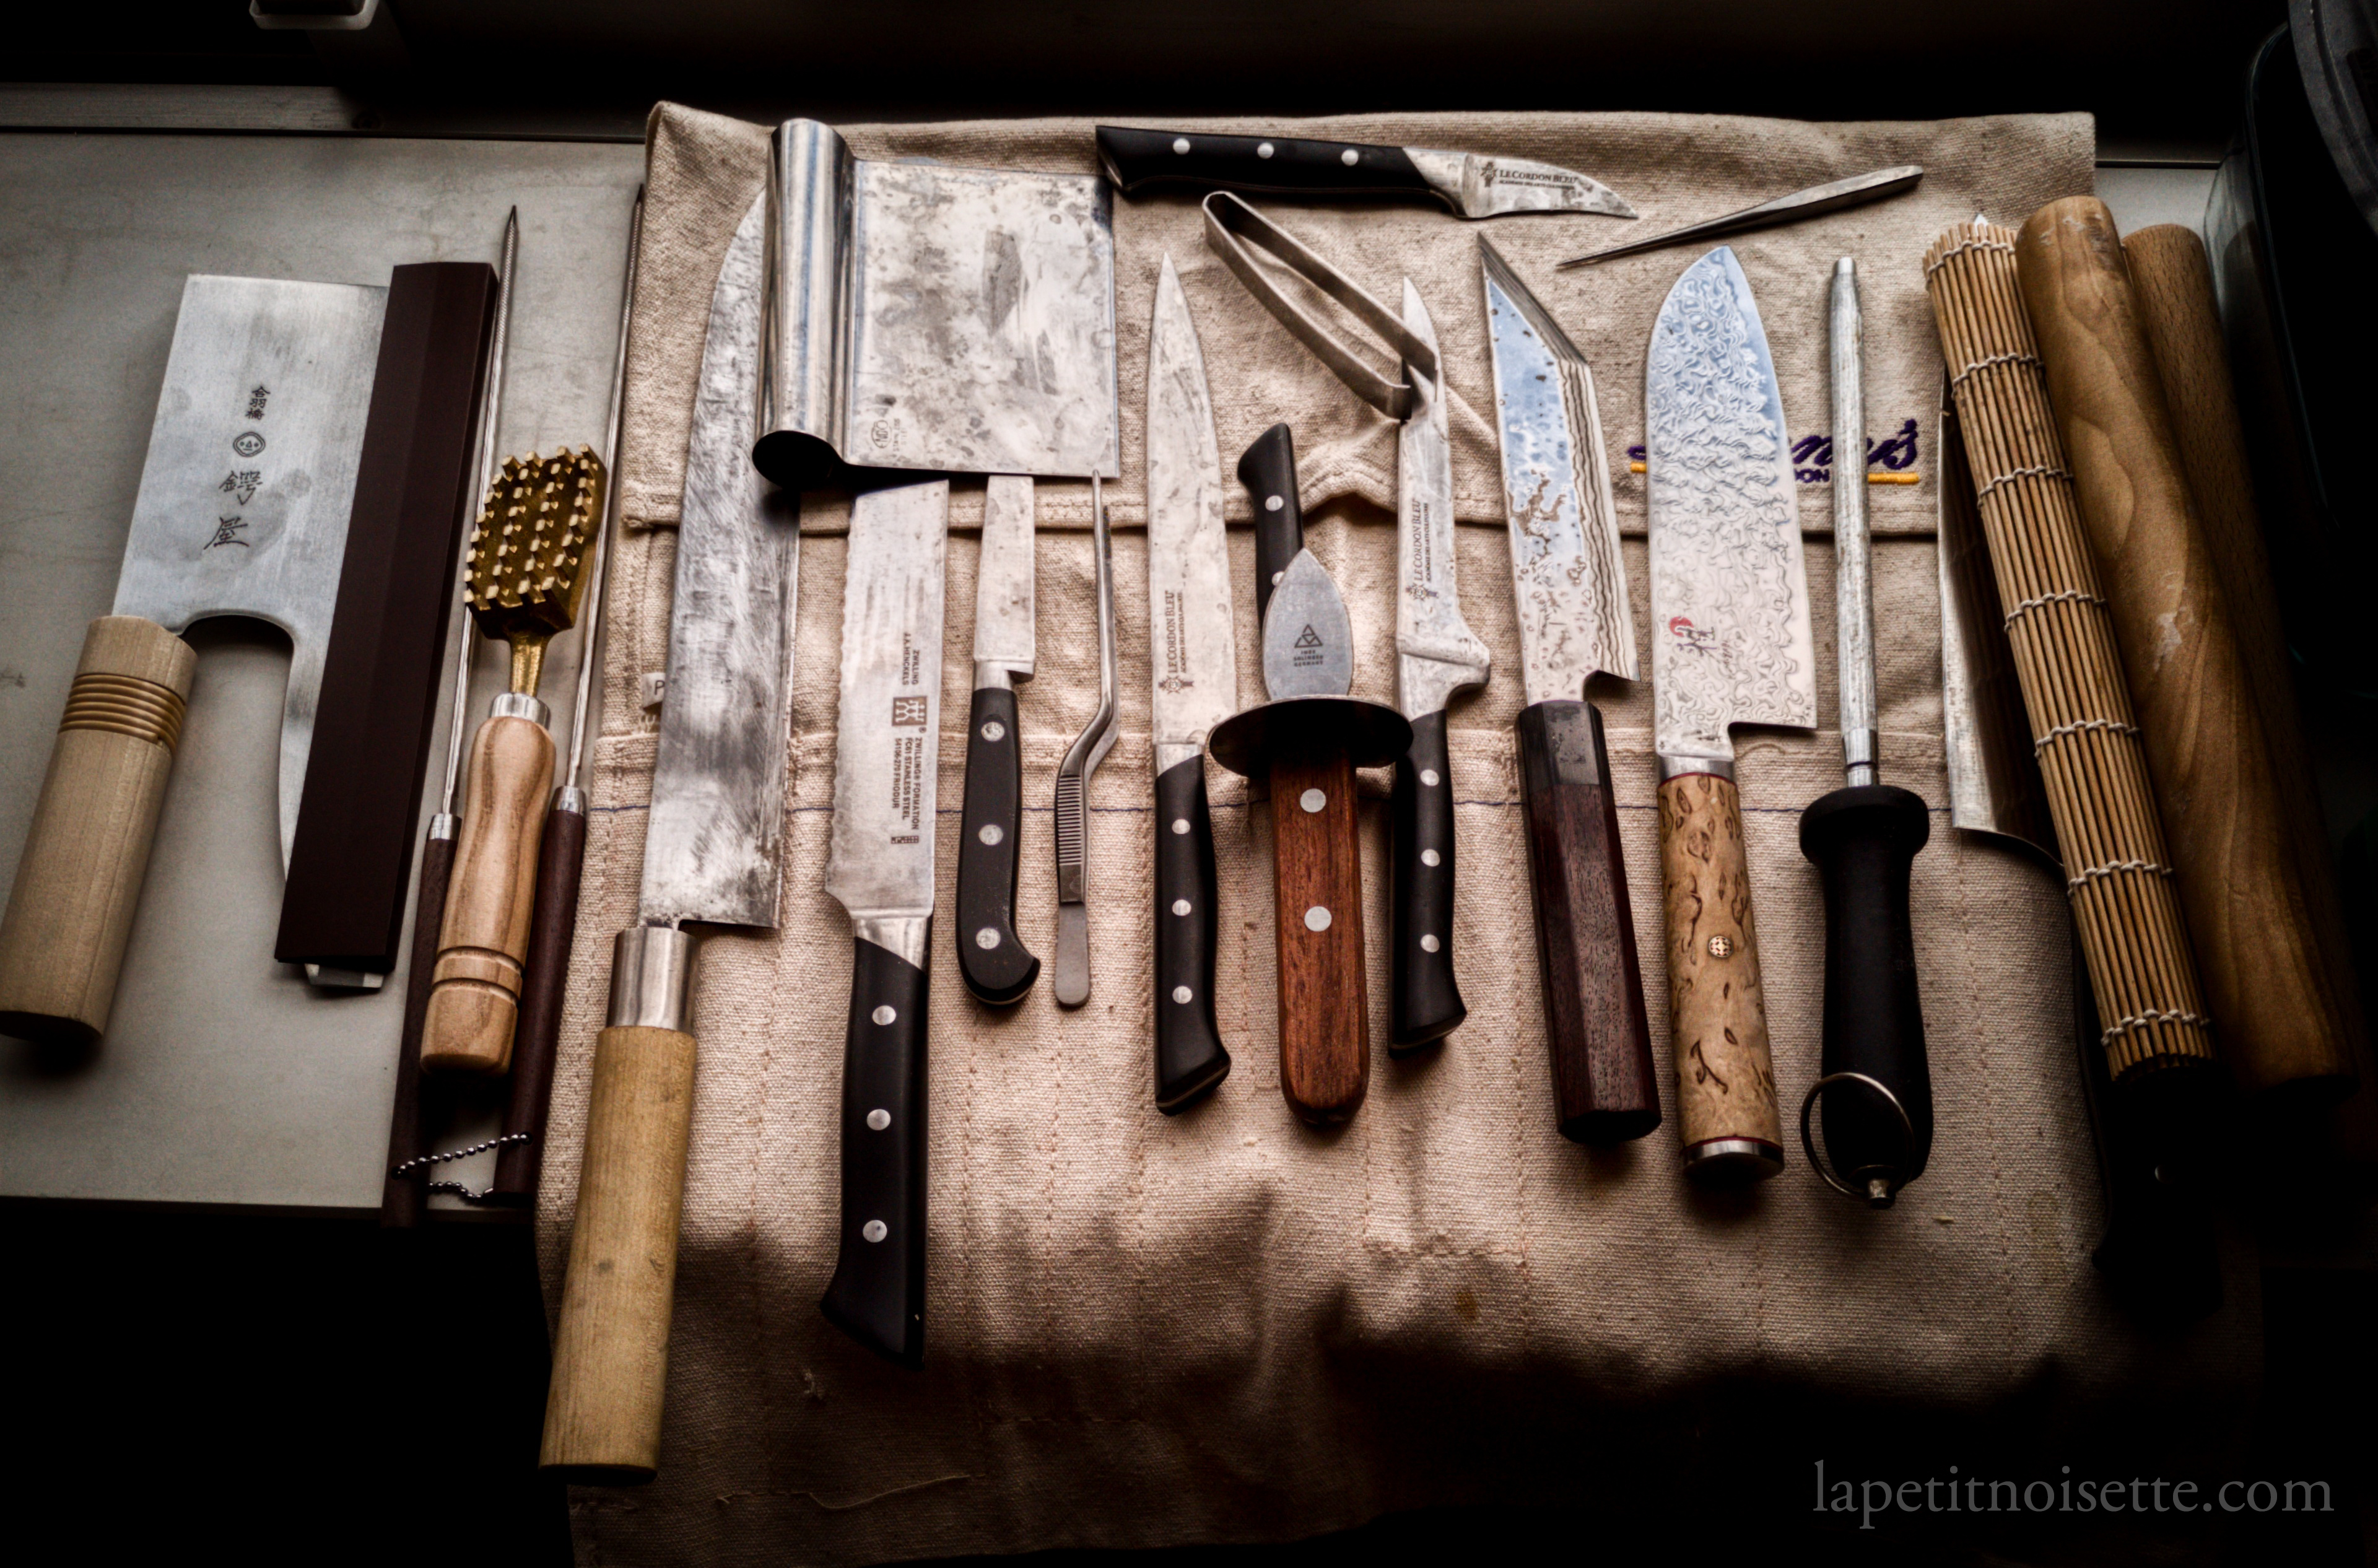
1325	1012
78	880
2266	982
474	994
1725	1078
610	1351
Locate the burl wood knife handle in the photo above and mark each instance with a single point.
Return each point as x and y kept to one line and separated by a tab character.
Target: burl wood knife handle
1725	1078
483	944
1325	1033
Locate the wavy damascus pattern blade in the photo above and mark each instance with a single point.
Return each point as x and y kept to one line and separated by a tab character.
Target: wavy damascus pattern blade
1436	653
1730	638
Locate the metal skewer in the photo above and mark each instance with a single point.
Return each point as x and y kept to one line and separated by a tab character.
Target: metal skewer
1855	191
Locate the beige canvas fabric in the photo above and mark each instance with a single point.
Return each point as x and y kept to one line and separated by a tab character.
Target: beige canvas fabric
1144	1330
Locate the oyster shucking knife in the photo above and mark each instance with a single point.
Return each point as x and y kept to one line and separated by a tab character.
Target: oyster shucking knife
992	959
1730	645
1469	184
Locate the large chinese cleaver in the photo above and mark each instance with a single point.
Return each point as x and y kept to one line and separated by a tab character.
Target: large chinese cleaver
242	511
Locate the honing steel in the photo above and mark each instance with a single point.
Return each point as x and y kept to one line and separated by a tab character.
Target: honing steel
991	958
528	561
1875	1095
1305	744
1832	197
561	854
1469	184
1730	645
879	868
1194	666
1569	585
242	511
713	847
1082	759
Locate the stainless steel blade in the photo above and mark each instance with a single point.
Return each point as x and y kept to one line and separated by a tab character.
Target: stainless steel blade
1853	564
1436	653
1568	577
1479	185
1003	587
713	842
1195	657
251	474
1730	636
1308	647
887	730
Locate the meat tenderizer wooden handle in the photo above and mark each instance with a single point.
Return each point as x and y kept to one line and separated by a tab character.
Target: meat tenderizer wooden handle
78	881
1725	1078
474	995
1325	1014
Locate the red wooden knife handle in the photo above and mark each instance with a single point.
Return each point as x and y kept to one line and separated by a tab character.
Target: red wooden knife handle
1325	1015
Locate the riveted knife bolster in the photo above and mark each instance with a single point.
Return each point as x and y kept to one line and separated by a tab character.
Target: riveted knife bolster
877	1295
1190	1058
991	958
1426	1003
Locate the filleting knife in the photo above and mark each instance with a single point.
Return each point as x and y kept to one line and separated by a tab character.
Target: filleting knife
1568	583
1469	184
1730	645
992	960
1193	662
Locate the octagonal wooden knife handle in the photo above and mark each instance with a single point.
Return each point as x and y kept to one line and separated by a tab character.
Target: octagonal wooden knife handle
78	880
1325	1015
1725	1078
483	945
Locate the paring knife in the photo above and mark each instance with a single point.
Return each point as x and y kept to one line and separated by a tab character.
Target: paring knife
1730	645
1436	656
1569	582
879	868
1082	759
992	960
1469	184
713	846
1194	661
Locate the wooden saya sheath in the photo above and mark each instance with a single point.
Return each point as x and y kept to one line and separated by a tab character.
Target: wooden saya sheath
2266	982
1726	1075
474	995
1325	1015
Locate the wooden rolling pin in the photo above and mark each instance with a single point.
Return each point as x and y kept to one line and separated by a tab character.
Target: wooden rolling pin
2266	984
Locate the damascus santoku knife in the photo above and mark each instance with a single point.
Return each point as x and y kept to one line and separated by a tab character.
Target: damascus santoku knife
1194	662
1569	585
879	868
1730	645
1469	184
714	840
992	959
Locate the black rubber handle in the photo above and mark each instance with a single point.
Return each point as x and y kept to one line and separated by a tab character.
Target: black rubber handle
1426	1002
877	1295
1269	470
1864	840
1189	1055
992	960
545	975
1134	158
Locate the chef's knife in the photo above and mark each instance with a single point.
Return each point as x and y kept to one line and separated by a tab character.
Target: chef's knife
1469	184
713	847
1194	661
1569	585
1730	645
992	959
879	868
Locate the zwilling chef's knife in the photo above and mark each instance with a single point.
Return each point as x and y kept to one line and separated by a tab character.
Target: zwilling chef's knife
879	868
1470	185
1570	585
1195	667
992	960
1730	645
712	841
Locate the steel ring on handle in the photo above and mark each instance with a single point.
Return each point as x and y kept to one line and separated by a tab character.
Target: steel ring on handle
1808	1144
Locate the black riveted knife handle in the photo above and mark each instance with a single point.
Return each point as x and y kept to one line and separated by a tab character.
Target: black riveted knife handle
1269	470
1864	840
877	1295
1189	1055
1426	1005
992	960
1134	158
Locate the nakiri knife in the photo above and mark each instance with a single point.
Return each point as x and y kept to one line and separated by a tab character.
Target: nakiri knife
992	959
1436	656
879	868
1193	662
1568	583
1730	645
713	848
1469	185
